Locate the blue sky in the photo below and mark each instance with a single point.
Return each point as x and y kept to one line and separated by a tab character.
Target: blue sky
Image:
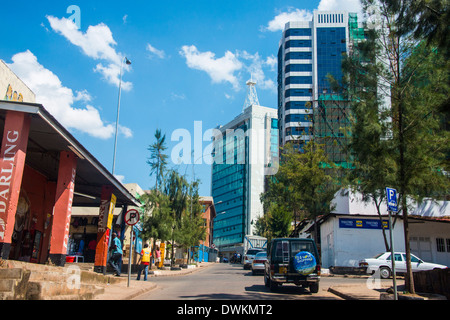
190	62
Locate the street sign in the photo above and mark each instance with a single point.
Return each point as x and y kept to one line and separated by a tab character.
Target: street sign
132	217
391	195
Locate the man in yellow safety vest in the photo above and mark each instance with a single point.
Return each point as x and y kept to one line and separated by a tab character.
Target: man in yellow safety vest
144	260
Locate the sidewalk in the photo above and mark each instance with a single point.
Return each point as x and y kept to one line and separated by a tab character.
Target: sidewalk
121	291
356	292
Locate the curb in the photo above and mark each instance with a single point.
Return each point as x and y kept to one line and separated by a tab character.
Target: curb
341	294
139	292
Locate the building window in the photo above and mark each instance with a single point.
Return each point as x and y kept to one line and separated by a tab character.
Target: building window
298	44
448	245
440	245
298	32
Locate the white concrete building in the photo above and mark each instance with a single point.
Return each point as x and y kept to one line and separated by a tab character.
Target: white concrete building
244	152
353	231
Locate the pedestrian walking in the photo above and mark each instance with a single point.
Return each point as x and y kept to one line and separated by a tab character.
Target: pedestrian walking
144	261
158	257
116	253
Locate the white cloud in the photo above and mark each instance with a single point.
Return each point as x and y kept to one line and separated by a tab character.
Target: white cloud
256	70
176	96
272	62
159	53
97	43
119	177
332	5
280	20
219	69
59	100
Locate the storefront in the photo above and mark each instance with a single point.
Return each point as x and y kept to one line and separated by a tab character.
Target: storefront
44	172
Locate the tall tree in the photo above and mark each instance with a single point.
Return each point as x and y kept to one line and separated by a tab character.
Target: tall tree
158	160
372	168
413	78
191	228
177	189
427	20
304	184
158	220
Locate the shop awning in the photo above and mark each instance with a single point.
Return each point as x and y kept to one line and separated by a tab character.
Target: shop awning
47	138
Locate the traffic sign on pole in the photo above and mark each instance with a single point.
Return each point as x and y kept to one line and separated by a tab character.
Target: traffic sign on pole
132	217
391	195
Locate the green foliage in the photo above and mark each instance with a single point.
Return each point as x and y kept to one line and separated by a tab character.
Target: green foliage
158	160
304	184
397	82
173	211
158	220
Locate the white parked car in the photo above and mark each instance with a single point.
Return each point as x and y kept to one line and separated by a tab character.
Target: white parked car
382	263
258	262
249	256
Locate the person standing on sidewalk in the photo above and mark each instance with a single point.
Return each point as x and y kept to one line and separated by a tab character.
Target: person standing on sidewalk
144	260
116	253
158	257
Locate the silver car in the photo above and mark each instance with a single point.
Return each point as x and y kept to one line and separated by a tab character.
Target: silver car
382	263
258	262
249	256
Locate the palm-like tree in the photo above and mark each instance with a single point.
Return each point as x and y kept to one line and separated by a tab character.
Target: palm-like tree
158	160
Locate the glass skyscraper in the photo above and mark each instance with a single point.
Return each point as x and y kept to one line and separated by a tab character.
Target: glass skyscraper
245	151
308	52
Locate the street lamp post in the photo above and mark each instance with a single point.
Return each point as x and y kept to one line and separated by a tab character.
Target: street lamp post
128	62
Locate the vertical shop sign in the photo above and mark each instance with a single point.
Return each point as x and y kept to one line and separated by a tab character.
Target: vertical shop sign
106	212
12	162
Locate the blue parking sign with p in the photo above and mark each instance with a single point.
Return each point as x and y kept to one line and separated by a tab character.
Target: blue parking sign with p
391	195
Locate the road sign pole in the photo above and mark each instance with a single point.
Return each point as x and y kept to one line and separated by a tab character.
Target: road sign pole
131	254
132	217
391	231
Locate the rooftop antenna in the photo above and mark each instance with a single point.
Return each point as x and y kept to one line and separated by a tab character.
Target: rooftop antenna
252	97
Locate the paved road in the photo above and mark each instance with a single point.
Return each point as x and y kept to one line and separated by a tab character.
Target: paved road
230	282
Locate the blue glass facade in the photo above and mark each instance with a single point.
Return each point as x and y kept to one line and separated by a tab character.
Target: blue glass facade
295	105
298	32
236	180
298	118
298	56
299	80
331	45
298	68
309	51
229	190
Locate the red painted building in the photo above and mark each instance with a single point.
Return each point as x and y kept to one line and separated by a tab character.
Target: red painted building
209	213
44	172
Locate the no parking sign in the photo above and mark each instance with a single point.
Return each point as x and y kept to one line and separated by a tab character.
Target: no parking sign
132	217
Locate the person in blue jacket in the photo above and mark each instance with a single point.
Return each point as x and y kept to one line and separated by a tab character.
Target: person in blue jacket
116	253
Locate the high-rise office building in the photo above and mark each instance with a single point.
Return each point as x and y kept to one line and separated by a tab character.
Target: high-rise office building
245	152
308	52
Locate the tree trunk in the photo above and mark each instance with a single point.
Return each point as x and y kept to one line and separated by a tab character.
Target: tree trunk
386	243
409	280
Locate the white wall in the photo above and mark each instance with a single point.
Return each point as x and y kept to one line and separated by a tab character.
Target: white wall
423	236
8	78
345	247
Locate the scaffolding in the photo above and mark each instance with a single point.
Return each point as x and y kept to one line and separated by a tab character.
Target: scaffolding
332	128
